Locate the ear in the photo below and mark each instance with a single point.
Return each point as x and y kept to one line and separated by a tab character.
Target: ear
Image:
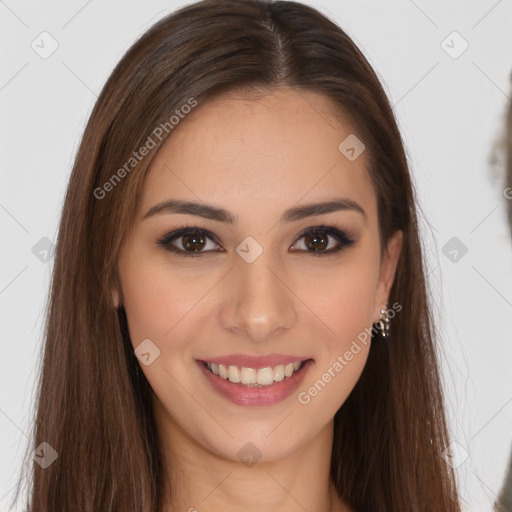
387	272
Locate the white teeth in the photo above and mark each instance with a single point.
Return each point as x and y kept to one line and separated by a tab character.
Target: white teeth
234	374
279	373
254	377
223	371
265	376
288	370
248	376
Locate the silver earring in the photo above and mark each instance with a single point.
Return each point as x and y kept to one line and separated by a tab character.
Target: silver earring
384	323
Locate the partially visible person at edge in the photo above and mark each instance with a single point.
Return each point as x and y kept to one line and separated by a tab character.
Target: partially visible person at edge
504	500
239	316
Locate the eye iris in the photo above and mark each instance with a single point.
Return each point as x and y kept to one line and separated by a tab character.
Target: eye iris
190	241
318	242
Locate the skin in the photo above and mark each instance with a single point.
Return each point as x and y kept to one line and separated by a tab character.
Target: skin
256	156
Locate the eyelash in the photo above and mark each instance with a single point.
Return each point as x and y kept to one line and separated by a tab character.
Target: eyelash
343	239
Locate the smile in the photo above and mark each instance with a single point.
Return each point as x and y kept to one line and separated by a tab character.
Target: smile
264	385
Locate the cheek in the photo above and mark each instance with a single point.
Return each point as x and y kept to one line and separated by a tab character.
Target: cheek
156	296
344	298
344	302
160	306
146	301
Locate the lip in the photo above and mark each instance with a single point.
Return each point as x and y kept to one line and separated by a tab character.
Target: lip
255	362
251	396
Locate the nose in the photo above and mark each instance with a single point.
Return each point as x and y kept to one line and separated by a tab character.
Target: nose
258	302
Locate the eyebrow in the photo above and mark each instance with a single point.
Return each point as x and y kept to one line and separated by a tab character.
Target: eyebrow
221	215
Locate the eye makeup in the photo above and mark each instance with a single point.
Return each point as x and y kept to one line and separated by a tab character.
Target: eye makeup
195	235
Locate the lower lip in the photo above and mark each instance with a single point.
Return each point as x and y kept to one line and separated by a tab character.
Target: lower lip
266	395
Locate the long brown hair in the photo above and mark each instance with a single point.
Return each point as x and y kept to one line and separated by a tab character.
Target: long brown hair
93	406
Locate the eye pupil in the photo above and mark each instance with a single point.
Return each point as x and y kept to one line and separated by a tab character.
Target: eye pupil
190	241
319	242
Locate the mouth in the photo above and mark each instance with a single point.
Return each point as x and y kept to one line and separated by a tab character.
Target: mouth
259	384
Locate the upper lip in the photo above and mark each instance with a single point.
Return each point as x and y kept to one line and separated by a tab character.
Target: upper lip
256	362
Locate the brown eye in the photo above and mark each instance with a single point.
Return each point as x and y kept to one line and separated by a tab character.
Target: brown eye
194	242
316	242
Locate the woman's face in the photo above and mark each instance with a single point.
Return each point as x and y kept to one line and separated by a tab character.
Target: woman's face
254	292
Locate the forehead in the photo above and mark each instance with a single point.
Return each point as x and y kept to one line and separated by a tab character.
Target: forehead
267	151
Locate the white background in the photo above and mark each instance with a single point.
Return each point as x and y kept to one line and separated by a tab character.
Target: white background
451	113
